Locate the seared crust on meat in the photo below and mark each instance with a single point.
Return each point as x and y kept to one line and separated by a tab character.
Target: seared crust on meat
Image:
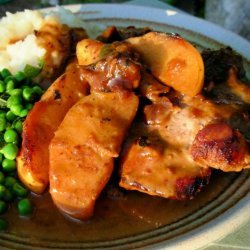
219	146
188	187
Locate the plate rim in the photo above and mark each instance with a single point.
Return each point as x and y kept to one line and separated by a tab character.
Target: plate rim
169	16
216	33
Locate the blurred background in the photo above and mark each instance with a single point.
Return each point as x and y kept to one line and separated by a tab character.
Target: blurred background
231	14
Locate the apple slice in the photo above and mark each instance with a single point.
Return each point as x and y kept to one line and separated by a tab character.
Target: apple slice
40	125
172	60
88	51
83	149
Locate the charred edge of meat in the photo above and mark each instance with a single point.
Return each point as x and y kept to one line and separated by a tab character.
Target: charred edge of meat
112	34
187	188
218	63
218	143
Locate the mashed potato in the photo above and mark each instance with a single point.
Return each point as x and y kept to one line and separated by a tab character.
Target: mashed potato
18	43
16	26
26	51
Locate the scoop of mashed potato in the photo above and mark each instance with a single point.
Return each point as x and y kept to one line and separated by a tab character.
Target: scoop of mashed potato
30	37
14	27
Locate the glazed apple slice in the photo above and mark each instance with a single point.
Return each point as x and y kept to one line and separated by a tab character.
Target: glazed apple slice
40	125
172	60
88	51
83	149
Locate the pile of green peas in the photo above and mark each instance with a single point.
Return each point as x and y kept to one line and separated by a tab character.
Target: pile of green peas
18	93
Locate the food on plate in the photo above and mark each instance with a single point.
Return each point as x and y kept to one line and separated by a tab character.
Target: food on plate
18	93
81	165
173	143
172	60
88	51
220	146
34	49
83	149
33	38
42	122
144	106
156	159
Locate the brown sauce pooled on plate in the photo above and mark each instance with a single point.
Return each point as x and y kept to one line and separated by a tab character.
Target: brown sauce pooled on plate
115	217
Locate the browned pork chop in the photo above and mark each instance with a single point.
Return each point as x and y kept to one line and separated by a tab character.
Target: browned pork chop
171	148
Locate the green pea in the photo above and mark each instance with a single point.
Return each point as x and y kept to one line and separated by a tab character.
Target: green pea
14	99
19	190
28	94
2	86
24	207
16	109
10	85
3	224
18	126
8	195
24	113
9	181
5	73
20	76
8	165
17	92
2	191
3	207
10	116
2	123
10	135
10	151
2	178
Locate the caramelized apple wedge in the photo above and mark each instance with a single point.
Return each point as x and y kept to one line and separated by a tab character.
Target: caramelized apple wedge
83	149
40	125
88	51
172	60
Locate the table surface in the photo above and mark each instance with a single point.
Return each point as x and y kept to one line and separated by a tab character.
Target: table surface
236	240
